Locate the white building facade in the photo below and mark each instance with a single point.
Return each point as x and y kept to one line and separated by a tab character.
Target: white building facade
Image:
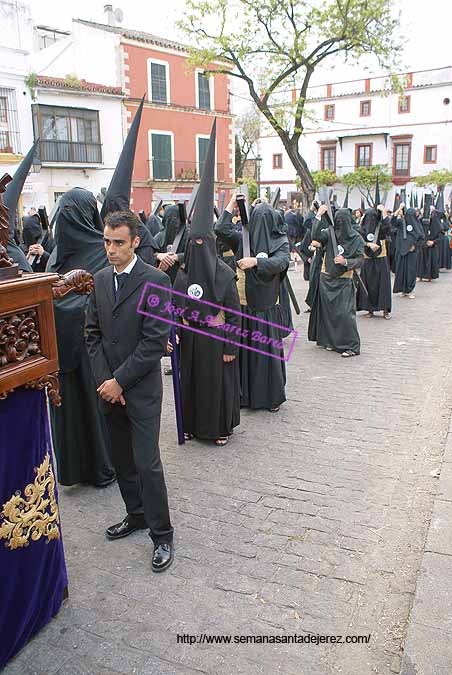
362	123
72	102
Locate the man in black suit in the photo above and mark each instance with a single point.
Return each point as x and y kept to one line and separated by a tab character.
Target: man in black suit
125	349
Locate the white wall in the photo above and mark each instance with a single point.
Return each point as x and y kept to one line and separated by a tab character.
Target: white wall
429	122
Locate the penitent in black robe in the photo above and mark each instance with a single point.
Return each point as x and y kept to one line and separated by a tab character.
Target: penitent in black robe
375	271
164	240
332	322
78	427
210	387
428	256
262	378
409	234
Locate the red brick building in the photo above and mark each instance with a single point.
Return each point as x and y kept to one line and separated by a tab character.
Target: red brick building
180	106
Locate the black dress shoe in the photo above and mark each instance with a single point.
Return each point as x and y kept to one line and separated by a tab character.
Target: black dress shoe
163	557
125	527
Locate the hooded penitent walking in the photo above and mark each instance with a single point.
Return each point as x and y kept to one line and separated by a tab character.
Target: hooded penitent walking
332	322
208	364
375	228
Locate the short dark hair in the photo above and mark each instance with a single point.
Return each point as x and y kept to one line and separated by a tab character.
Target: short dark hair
120	218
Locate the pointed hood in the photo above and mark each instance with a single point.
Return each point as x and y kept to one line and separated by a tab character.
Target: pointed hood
397	201
428	202
363	206
439	206
118	193
345	204
203	275
15	187
377	192
202	220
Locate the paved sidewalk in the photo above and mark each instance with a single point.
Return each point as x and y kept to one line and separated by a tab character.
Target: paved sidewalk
312	520
428	648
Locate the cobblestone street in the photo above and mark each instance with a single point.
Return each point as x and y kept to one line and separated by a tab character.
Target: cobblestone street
312	520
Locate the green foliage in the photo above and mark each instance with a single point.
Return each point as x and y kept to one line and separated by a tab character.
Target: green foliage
72	81
31	82
438	177
324	177
365	179
252	186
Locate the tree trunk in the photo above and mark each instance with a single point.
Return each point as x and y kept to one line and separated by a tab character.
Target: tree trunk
307	184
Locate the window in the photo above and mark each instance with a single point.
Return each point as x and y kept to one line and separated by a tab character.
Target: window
363	155
404	104
328	158
430	152
364	108
162	155
401	159
67	134
202	145
277	161
9	123
329	111
158	81
203	91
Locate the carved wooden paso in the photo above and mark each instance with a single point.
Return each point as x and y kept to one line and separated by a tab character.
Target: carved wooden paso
8	269
28	351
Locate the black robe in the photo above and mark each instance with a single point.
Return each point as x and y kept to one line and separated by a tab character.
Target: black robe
210	387
78	428
375	271
428	256
262	378
332	322
407	241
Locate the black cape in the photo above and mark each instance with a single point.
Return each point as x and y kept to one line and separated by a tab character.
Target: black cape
332	321
262	378
78	427
210	387
375	272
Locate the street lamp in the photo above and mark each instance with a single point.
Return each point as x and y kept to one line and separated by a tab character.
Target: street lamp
36	165
258	174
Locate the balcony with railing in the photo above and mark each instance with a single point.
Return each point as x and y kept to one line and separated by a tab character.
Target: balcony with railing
70	152
181	170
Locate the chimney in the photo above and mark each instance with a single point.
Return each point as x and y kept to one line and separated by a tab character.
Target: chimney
108	10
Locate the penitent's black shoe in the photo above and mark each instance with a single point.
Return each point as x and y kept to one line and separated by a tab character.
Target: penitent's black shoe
163	557
125	527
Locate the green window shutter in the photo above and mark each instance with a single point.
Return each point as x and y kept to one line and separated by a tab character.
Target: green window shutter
162	164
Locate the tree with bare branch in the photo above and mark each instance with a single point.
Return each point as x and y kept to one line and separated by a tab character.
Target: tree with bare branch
274	46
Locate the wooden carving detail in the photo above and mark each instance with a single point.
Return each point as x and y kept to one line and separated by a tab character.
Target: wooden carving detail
79	281
19	337
49	382
5	260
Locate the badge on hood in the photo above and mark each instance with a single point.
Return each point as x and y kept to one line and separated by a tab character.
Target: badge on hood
262	255
195	291
370	236
340	250
409	228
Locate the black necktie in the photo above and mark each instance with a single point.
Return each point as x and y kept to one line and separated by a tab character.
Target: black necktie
120	279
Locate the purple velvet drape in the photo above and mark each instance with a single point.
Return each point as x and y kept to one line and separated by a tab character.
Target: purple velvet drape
32	578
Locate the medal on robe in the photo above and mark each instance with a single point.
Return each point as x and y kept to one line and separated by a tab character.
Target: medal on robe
340	250
262	255
195	291
409	228
370	236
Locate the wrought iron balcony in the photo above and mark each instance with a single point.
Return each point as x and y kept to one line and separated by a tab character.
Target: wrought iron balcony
70	152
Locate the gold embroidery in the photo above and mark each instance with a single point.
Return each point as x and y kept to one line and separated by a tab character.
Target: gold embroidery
33	516
241	286
345	275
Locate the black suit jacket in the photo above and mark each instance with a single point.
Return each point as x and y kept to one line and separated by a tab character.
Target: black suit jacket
124	344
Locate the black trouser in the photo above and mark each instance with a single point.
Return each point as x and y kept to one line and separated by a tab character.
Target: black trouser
135	455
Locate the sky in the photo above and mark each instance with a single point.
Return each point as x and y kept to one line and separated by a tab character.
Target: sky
425	26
